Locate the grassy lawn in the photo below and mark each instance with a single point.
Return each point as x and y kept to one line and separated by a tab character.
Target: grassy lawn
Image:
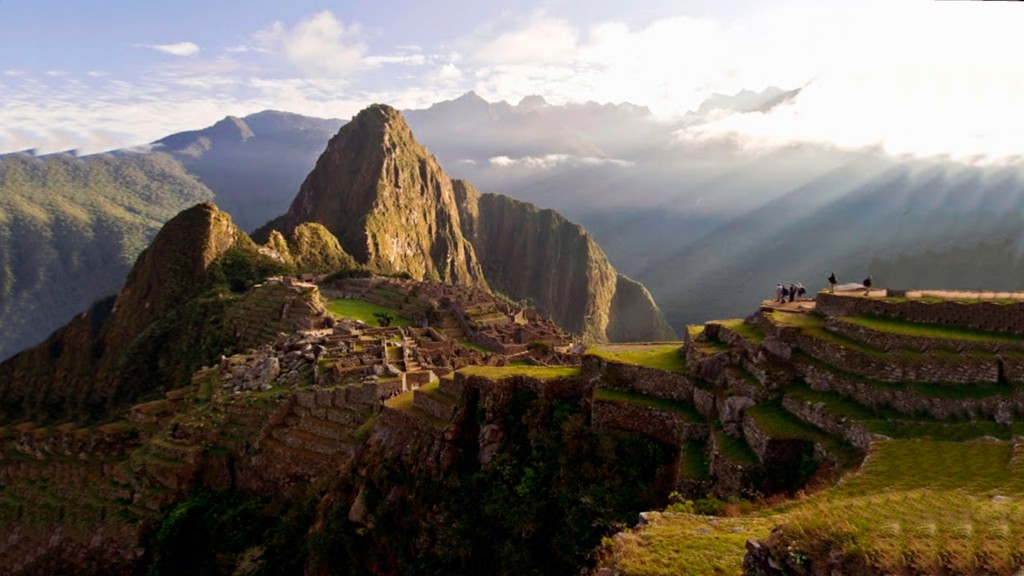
680	408
364	311
663	356
538	372
934	331
916	506
748	331
678	544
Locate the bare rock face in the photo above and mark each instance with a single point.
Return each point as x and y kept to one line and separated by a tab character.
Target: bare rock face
387	201
535	254
394	210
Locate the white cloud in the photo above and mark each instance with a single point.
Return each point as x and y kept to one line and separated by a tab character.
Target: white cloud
319	45
543	40
548	161
405	59
913	78
177	49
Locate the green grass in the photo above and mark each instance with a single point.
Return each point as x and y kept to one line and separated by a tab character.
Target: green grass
916	506
537	372
747	331
932	331
933	390
663	356
736	450
467	343
364	311
777	422
694	460
673	406
688	544
404	403
434	391
891	423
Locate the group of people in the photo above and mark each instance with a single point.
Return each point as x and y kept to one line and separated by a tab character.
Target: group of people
832	284
792	292
795	291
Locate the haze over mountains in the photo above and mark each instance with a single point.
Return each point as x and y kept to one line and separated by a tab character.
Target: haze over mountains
709	224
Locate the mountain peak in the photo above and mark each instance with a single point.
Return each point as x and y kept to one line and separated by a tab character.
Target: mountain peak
232	128
471	97
532	101
387	201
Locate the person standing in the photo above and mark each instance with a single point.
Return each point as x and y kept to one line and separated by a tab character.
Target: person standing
867	285
832	283
778	293
792	291
800	291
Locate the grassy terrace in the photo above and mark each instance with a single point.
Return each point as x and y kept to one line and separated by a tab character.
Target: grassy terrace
882	420
661	355
403	403
747	331
934	390
777	422
916	506
538	372
621	396
735	449
434	391
364	311
933	331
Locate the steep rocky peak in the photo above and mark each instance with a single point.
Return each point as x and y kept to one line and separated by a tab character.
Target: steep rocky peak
173	267
387	200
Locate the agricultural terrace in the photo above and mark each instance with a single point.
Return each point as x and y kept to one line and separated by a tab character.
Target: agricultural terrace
916	506
661	355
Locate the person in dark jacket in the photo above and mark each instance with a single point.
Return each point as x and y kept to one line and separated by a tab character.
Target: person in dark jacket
867	285
792	292
832	282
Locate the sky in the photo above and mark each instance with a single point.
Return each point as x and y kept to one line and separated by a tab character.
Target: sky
912	77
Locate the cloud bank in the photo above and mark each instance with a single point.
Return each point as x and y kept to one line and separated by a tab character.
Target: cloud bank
910	77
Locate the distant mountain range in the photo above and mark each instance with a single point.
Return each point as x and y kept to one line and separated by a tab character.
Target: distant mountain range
708	225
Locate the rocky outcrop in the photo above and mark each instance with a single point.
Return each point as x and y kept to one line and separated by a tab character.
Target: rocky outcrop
634	317
535	254
315	249
386	200
394	210
163	325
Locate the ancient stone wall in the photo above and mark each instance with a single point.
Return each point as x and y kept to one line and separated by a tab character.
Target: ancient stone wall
890	341
980	315
662	425
639	379
953	369
909	400
816	414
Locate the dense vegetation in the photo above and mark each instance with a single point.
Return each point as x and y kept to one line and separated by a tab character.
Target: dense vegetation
70	229
540	507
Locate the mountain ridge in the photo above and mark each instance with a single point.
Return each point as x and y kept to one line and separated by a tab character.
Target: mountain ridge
395	210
